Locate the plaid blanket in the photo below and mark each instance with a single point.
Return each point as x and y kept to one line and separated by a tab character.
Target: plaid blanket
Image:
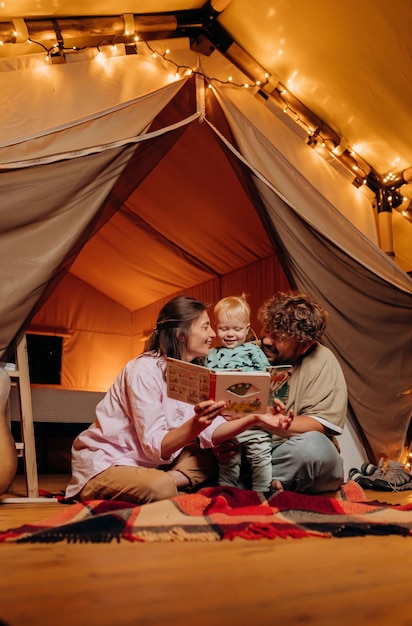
216	513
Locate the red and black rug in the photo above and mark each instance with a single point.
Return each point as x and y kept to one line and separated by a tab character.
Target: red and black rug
217	513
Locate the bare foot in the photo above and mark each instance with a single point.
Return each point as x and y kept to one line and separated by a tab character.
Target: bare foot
180	479
276	485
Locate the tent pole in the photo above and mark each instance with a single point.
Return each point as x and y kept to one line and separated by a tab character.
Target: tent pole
385	232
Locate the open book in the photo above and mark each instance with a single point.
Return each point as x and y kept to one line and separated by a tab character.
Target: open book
243	392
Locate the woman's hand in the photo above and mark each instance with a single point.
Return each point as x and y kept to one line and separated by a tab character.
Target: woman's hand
206	411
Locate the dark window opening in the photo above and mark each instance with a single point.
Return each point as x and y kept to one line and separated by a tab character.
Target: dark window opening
45	358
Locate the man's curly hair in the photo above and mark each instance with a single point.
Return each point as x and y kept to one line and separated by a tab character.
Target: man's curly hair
293	315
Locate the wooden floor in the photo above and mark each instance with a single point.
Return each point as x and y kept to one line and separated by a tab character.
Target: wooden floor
320	582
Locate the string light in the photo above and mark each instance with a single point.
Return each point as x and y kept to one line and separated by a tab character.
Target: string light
210	79
56	48
59	49
317	137
390	176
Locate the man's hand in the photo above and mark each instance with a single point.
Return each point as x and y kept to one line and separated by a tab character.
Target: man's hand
275	424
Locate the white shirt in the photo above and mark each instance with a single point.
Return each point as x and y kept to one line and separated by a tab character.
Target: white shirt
130	424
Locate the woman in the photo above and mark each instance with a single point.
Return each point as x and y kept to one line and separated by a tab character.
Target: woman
144	446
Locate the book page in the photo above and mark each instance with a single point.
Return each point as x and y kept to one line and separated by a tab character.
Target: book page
243	392
279	382
187	382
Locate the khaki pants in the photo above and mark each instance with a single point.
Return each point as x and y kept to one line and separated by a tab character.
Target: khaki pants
142	485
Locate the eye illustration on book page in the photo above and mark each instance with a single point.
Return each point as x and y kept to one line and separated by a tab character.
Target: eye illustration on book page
242	398
243	389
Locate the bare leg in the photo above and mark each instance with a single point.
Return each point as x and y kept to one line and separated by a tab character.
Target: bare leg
8	453
180	479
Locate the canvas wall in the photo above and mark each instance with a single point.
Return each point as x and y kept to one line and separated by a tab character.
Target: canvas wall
99	336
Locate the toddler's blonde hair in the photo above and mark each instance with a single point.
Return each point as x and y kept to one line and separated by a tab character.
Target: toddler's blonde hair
233	306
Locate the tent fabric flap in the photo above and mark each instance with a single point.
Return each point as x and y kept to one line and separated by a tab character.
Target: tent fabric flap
367	295
51	196
46	211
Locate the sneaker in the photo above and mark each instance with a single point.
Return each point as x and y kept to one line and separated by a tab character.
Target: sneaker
368	469
387	476
358	477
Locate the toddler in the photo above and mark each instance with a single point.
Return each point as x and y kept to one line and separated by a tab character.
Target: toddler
232	321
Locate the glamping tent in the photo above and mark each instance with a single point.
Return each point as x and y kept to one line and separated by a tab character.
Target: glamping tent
137	168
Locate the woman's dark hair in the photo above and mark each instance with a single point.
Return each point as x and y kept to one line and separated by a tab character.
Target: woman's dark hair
173	326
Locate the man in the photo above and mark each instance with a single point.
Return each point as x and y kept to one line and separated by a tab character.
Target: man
268	349
305	457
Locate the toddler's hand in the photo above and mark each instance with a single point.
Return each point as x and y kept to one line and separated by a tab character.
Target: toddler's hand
280	409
